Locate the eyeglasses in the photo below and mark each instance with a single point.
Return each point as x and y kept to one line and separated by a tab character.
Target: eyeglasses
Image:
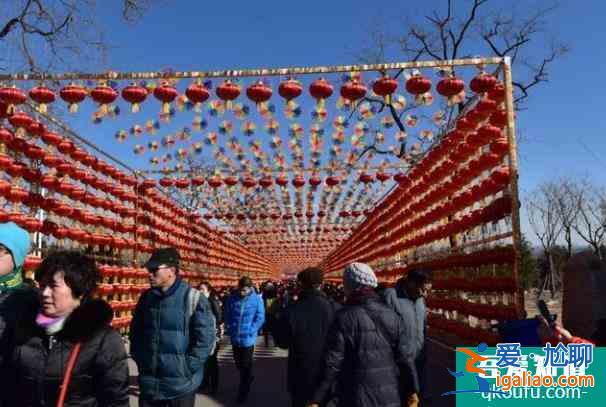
156	269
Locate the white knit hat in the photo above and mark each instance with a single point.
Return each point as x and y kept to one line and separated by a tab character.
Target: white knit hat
357	275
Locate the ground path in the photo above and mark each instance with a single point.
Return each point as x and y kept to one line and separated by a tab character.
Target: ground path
269	388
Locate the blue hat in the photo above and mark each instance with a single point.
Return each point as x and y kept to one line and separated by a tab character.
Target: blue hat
358	275
16	240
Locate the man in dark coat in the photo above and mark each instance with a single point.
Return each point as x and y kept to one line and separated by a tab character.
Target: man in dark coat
407	299
171	335
367	357
302	329
15	296
211	368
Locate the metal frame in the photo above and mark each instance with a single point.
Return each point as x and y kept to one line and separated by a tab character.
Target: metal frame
503	63
251	72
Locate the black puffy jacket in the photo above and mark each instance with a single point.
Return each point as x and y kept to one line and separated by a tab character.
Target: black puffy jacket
303	329
369	363
100	375
14	307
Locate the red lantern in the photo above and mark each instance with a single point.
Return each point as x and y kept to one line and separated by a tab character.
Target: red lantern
382	176
6	136
36	128
499	119
5	161
215	181
182	183
497	93
489	132
450	86
486	106
103	95
167	182
353	90
73	94
418	85
298	181
332	181
3	110
259	92
66	146
282	180
385	87
197	93
290	89
321	89
197	181
266	182
483	83
231	181
476	116
366	178
465	125
249	182
315	180
43	96
228	91
34	152
20	121
165	93
12	96
500	146
135	95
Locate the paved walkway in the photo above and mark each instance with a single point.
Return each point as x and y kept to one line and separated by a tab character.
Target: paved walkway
269	388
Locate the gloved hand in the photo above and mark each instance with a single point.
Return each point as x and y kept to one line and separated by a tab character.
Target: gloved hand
413	400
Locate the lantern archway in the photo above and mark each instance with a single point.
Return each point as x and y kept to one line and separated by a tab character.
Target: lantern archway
250	171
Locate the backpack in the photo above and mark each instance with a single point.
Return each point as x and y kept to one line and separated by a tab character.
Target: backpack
193	299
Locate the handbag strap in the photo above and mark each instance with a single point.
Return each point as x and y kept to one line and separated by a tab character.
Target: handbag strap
71	362
380	327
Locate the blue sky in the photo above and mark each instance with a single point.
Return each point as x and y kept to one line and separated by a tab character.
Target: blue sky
563	128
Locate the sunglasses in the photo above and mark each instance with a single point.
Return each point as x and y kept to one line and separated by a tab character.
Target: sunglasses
156	269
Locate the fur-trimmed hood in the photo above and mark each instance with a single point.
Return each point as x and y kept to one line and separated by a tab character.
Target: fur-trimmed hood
86	320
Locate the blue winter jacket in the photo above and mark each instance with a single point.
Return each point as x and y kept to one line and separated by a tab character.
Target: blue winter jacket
243	318
170	351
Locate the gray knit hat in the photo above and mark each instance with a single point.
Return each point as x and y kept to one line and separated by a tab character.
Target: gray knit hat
357	275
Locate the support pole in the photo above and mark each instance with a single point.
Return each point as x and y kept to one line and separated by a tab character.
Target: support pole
513	168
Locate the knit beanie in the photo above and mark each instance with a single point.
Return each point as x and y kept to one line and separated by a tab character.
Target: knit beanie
17	241
357	275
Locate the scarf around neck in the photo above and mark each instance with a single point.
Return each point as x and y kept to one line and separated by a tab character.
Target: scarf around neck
50	325
11	281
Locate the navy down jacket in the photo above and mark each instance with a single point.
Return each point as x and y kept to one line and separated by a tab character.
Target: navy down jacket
170	350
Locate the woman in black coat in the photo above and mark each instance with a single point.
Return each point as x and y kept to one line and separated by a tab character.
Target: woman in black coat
68	316
367	361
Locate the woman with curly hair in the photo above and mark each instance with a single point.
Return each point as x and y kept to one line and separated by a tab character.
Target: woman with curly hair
67	344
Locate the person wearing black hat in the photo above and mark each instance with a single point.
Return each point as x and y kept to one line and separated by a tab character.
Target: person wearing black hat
244	317
172	334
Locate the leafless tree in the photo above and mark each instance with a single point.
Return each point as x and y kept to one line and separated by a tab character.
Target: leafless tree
468	29
590	223
36	35
568	196
546	224
474	28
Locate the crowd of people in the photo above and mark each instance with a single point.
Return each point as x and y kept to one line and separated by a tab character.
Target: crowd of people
354	344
